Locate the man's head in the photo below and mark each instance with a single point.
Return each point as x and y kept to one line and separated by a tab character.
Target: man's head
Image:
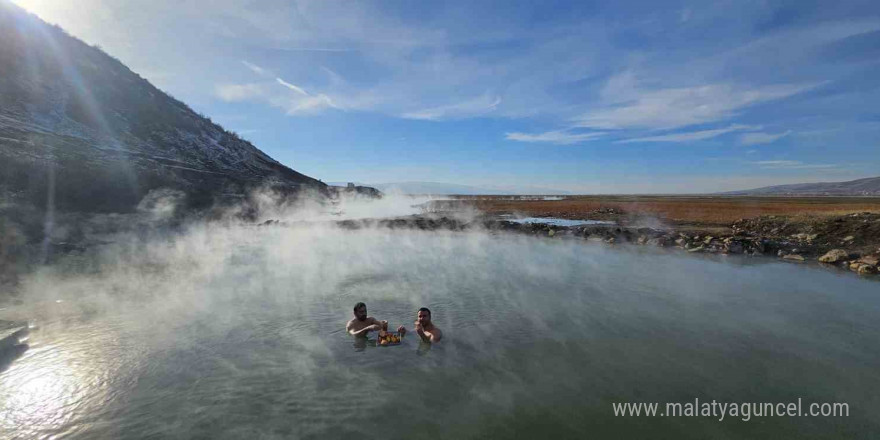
360	311
424	316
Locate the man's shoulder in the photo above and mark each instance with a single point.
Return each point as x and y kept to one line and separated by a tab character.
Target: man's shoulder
437	332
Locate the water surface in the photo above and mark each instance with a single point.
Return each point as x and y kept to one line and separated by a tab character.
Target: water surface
238	333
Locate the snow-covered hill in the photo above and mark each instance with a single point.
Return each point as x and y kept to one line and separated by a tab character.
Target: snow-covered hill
82	131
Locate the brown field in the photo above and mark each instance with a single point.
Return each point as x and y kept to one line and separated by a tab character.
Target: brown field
675	210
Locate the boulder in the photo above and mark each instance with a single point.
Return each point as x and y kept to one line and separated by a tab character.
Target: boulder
734	247
870	260
681	242
834	256
708	239
696	249
865	269
849	238
659	241
794	257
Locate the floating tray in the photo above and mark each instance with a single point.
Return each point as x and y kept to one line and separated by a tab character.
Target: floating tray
386	339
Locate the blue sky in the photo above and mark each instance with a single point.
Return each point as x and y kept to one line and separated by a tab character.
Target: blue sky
590	97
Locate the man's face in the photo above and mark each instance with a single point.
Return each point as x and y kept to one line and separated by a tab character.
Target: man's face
361	313
424	318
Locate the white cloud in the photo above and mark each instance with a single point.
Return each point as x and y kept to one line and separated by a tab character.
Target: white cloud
691	136
791	165
628	107
761	138
239	92
255	68
470	108
305	105
291	86
295	102
555	137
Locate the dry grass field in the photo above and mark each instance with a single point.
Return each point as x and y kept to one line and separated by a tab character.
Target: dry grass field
674	210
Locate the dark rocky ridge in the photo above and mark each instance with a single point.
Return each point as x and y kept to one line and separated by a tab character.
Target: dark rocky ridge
82	132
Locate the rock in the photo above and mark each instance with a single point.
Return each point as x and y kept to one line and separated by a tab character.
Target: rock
696	249
659	241
551	233
854	266
681	242
708	239
866	270
780	253
834	256
870	260
849	238
642	239
610	240
734	247
794	257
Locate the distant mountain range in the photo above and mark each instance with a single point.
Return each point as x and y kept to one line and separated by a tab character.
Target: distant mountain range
437	188
860	187
82	132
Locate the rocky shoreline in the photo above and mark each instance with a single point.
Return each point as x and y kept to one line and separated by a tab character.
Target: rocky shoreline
851	242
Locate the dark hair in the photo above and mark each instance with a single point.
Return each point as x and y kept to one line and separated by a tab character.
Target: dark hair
359	305
425	309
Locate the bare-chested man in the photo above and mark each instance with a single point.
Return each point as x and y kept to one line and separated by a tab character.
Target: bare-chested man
426	329
362	324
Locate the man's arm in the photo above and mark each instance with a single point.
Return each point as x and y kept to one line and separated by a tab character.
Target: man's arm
434	335
350	328
431	336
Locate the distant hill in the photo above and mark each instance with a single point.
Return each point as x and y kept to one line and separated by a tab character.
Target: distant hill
78	129
860	187
451	188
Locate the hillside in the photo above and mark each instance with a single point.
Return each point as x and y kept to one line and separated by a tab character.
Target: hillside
860	187
81	131
437	188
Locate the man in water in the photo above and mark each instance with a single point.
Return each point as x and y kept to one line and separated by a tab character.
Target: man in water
426	329
362	324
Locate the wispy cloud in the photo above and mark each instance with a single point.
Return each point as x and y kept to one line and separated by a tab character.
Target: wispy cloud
761	138
239	92
554	137
691	136
791	165
307	105
291	86
255	68
677	107
471	108
313	49
295	102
